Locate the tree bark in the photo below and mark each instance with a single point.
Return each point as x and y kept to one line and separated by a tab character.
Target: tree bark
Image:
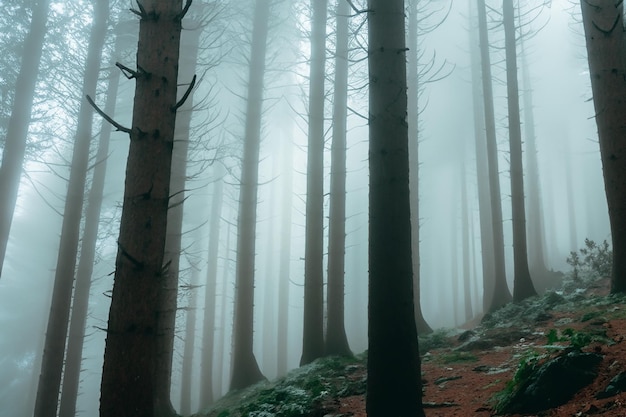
414	136
522	283
58	320
336	339
17	129
190	342
501	294
606	46
245	369
394	385
129	385
313	333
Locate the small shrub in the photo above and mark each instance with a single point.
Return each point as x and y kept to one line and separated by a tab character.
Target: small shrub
591	262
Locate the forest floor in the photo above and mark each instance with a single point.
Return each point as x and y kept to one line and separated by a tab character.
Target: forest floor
466	371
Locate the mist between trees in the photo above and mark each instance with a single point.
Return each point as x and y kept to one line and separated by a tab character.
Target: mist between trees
244	171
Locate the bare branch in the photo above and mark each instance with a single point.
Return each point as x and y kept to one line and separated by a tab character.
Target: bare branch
182	14
106	117
186	95
141	12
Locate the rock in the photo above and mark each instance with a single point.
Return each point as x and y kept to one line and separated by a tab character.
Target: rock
616	385
552	383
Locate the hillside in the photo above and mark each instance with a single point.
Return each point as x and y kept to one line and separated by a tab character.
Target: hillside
575	335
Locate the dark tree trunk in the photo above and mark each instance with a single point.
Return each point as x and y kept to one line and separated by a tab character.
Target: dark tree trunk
482	171
336	339
208	324
129	377
414	133
168	293
501	294
17	129
394	385
606	46
522	283
56	333
313	333
73	356
245	369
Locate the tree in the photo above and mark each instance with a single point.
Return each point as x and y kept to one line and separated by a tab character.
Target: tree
245	369
208	326
128	377
76	335
168	293
482	173
501	294
56	333
336	339
522	283
17	129
605	38
394	385
313	333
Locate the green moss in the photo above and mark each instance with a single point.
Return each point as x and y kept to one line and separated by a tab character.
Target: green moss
456	357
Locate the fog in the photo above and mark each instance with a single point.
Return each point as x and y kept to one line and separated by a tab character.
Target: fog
572	196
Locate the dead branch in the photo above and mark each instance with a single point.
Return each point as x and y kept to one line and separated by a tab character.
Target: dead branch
106	117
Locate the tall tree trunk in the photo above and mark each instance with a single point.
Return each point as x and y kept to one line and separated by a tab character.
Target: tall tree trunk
190	342
414	134
465	244
223	374
73	356
168	293
336	339
501	294
245	369
282	351
17	129
208	326
56	333
482	170
269	310
534	228
129	377
313	332
606	46
522	283
394	386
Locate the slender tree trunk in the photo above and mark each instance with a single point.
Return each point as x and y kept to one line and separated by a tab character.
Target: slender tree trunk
222	358
168	293
536	251
465	242
129	377
282	351
571	207
208	326
336	339
190	342
414	134
482	171
501	294
313	333
56	333
245	370
522	284
17	129
394	385
606	46
270	312
73	356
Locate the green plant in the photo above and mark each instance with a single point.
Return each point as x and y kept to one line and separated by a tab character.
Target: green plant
528	363
456	357
592	261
